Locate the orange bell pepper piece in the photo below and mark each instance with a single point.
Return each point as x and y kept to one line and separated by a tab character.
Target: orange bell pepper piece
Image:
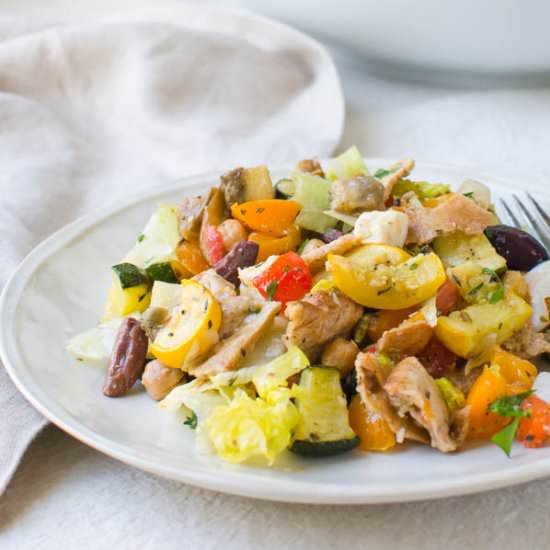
519	373
373	431
274	246
270	216
191	258
489	387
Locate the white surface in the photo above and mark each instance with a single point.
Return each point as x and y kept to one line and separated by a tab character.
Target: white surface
67	495
91	112
59	290
493	36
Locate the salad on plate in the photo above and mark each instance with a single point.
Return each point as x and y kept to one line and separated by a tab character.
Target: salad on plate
334	309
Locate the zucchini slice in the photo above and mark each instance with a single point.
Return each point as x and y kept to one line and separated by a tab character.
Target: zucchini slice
323	429
129	292
129	275
285	189
162	271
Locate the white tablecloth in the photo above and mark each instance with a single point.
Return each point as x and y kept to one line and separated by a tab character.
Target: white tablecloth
65	495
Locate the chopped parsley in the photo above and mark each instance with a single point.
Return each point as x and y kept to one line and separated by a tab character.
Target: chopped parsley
470	195
476	289
413	266
141	237
382	173
497	294
271	289
509	406
191	421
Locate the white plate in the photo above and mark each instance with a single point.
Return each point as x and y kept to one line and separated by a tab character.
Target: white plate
59	290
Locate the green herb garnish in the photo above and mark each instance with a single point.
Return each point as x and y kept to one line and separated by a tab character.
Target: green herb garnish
470	195
476	289
302	246
382	173
505	438
497	295
413	266
509	407
271	289
141	237
191	421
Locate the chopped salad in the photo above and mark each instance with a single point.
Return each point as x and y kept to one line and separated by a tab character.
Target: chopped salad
337	308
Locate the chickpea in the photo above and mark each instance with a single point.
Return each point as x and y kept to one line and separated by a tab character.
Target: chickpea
340	353
232	231
312	245
159	380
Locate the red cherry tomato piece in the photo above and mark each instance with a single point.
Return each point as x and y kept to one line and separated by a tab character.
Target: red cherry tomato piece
213	242
287	279
534	430
448	297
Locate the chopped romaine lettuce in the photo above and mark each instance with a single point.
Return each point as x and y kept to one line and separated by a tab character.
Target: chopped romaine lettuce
423	189
247	428
275	373
158	240
95	345
347	165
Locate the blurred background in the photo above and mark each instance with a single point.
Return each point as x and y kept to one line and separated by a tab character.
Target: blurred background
467	42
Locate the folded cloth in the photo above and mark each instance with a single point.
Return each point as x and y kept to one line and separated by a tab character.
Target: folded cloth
92	111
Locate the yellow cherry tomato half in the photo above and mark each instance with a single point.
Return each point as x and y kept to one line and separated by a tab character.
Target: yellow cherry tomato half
387	277
191	328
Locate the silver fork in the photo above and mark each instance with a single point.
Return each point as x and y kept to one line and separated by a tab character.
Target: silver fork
531	215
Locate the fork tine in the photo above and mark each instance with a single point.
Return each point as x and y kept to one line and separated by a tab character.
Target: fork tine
510	214
538	208
532	224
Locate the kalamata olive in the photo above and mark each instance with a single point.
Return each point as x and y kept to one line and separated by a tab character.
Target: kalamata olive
521	250
331	235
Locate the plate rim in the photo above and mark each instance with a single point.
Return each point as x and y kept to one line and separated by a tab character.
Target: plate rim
241	482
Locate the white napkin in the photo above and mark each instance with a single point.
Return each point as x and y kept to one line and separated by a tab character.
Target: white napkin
93	111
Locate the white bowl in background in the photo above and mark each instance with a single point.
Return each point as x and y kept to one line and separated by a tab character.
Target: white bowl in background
507	38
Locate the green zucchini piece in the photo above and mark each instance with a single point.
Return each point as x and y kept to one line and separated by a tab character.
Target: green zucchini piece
319	449
162	271
323	428
458	248
130	291
285	189
129	275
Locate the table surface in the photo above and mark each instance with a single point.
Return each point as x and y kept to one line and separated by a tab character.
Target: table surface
67	495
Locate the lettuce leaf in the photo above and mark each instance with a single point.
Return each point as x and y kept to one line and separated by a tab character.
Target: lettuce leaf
247	428
423	189
347	165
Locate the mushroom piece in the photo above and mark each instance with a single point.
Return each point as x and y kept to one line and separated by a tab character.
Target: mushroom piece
356	195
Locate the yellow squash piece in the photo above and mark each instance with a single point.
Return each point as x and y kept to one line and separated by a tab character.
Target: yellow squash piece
190	328
386	277
468	331
129	293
